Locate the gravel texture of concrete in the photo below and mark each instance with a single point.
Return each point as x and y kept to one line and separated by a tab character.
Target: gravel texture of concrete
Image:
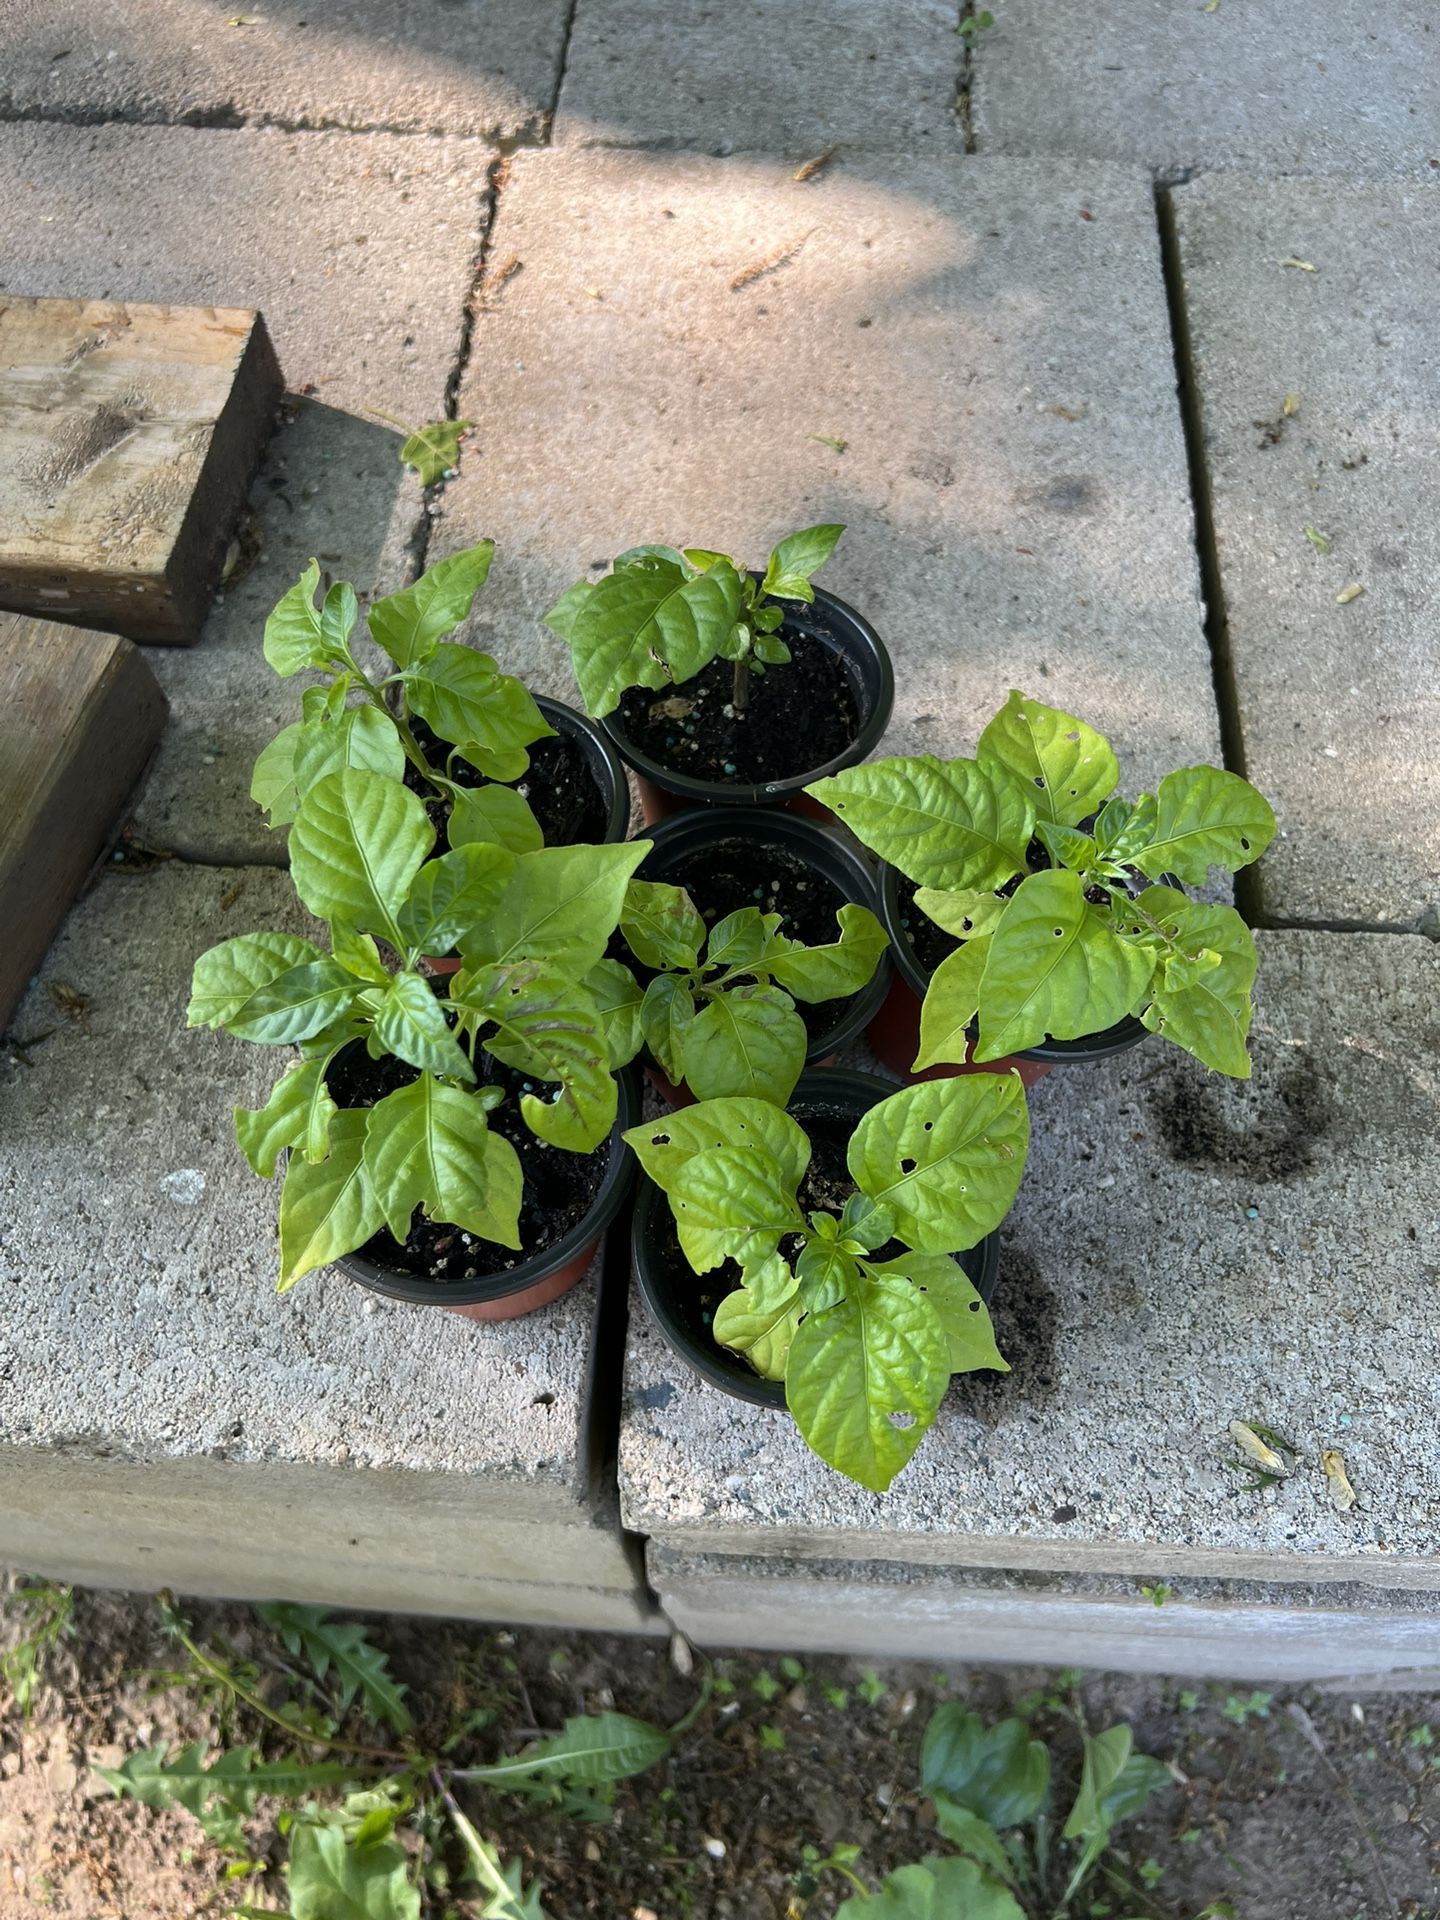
1345	88
1314	320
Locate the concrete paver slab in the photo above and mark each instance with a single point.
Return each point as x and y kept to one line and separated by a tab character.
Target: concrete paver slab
988	339
773	76
139	1323
1225	1630
1339	703
1290	87
360	251
486	68
1185	1252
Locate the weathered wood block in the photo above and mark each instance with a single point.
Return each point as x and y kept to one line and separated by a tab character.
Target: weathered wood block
80	714
128	438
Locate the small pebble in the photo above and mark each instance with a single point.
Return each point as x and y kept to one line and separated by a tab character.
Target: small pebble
715	1848
729	766
1252	1213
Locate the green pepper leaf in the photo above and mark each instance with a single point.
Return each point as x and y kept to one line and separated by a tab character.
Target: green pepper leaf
294	638
560	905
796	559
296	1004
869	1223
429	1145
965	913
664	1147
450	895
410	1023
358	954
492	814
360	737
762	1333
1067	846
742	939
837	969
647	624
865	1378
748	1040
618	997
297	1114
827	1273
1202	991
998	1772
547	1026
488	715
409	625
666	1012
1056	968
226	976
947	1155
969	1333
562	616
1070	767
272	781
356	848
327	1207
943	823
1205	818
730	1205
949	1005
661	926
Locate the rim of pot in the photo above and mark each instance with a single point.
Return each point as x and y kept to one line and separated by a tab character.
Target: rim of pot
879	699
420	1290
702	1354
601	760
1120	1038
834	854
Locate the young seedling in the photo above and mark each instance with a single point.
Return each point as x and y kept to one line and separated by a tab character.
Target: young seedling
482	717
662	615
862	1314
1061	894
719	1012
529	927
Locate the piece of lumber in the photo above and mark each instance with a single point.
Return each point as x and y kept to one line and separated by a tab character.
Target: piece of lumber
128	439
80	714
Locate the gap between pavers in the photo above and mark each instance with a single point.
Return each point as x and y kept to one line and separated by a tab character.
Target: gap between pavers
1348	88
780	76
154	1392
489	69
1339	709
1224	1630
1185	1252
679	337
360	250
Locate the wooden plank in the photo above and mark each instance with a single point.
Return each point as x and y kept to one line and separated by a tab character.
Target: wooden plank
80	714
128	438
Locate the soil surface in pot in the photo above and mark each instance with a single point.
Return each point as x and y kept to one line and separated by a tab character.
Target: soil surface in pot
827	1185
798	717
560	787
732	874
559	1188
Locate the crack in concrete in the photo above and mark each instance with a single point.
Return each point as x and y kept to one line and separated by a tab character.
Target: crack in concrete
965	79
562	68
227	118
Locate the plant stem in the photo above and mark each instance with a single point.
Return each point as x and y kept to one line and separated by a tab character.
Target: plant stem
740	686
257	1705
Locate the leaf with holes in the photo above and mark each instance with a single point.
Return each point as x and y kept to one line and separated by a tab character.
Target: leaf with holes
943	823
1070	767
1201	993
1205	818
865	1379
1055	969
969	1333
665	1147
946	1155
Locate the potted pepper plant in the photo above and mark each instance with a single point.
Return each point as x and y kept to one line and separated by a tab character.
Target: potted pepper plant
1042	917
458	1144
724	687
836	1295
491	762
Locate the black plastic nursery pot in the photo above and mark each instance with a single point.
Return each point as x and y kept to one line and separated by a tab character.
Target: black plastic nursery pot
895	1032
682	1303
782	863
534	1280
825	711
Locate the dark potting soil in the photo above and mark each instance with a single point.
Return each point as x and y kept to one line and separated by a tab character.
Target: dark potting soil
798	717
722	878
559	1188
827	1184
560	787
